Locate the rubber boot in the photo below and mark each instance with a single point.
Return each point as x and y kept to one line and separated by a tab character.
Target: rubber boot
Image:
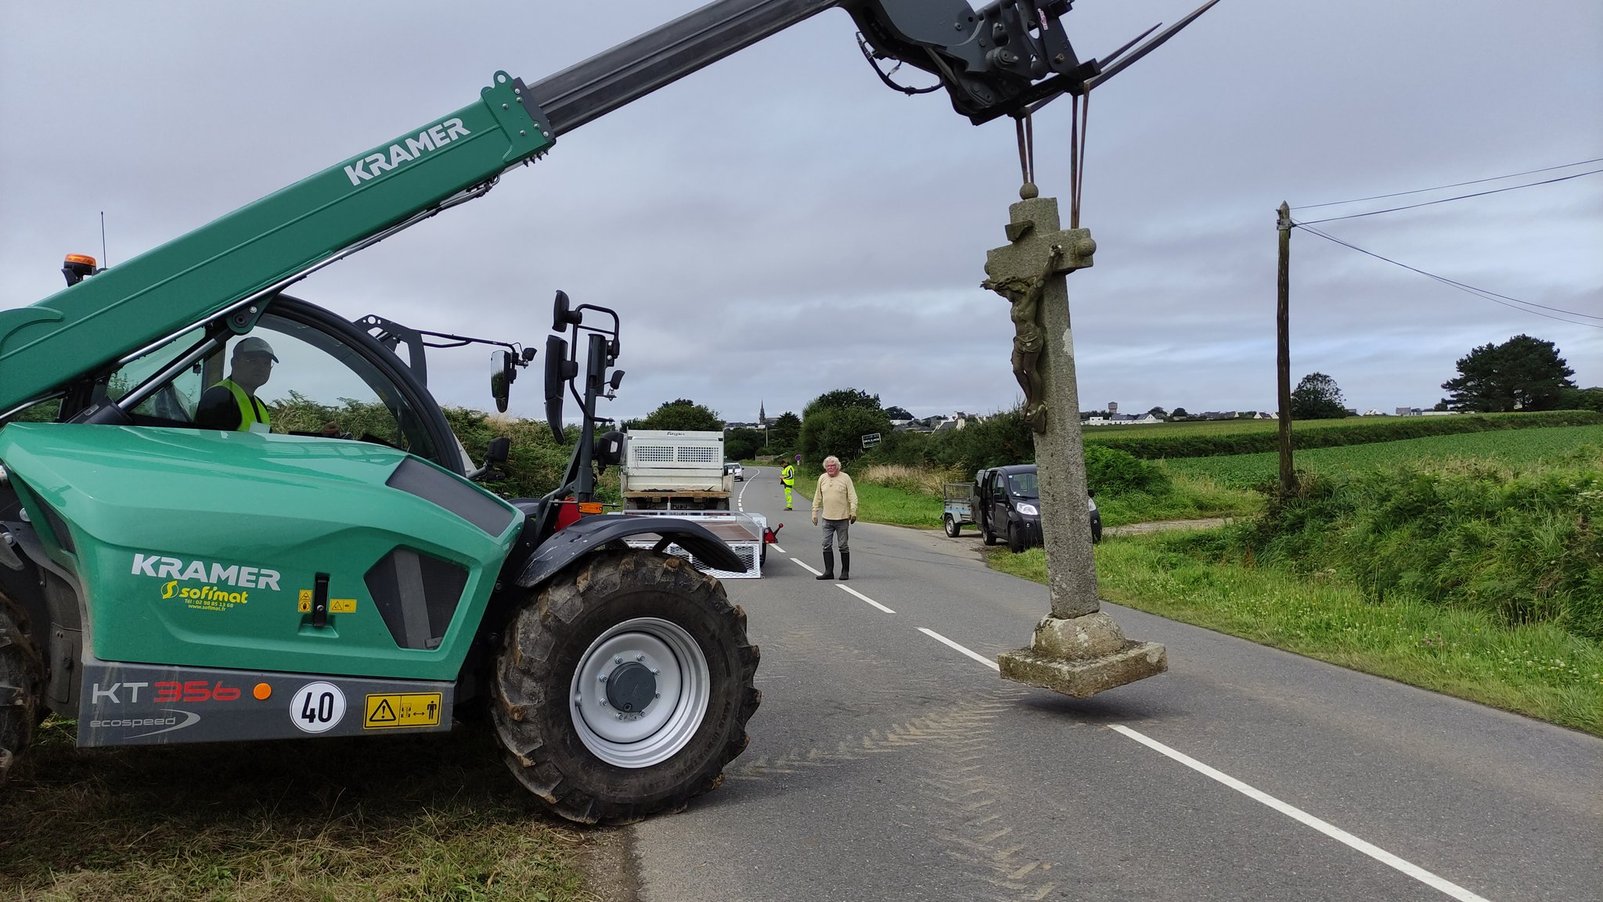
845	566
829	565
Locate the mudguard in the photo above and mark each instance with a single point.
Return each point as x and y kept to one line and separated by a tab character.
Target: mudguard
590	533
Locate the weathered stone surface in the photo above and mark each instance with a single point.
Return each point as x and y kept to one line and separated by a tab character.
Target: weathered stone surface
1085	677
1077	649
1078	638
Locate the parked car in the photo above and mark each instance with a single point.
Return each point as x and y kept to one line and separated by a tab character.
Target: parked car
733	468
1005	503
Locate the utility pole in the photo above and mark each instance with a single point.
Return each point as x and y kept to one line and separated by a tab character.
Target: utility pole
1288	476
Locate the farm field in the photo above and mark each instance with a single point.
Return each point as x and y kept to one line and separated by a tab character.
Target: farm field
1210	438
1519	447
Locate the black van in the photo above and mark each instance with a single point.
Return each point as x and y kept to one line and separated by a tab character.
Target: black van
1007	507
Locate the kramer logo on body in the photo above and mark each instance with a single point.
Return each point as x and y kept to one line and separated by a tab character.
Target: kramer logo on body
172	568
426	141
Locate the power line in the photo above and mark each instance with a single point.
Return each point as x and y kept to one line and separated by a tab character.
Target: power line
1494	297
1495	178
1444	200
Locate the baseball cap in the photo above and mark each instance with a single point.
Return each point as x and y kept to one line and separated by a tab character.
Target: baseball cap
254	345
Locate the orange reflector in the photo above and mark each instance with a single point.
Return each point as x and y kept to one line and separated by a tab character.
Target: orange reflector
590	507
85	259
263	692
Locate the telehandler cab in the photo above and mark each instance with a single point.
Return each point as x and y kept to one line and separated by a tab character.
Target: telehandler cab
164	582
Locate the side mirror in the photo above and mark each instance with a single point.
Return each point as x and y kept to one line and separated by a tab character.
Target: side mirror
502	371
500	448
562	313
608	449
556	359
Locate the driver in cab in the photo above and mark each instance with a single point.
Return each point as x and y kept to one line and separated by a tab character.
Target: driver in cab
232	404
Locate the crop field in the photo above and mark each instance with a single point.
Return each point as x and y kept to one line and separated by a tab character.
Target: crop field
1521	447
1114	434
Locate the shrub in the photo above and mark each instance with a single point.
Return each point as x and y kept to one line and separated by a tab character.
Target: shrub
1228	437
1114	471
1525	544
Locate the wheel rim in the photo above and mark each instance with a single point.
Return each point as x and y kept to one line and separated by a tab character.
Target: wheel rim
640	692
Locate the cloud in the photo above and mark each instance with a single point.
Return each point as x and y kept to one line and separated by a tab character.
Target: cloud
780	225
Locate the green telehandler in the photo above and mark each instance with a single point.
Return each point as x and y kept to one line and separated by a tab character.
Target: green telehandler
164	580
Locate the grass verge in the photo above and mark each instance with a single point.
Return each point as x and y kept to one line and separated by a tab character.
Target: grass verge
1537	670
405	817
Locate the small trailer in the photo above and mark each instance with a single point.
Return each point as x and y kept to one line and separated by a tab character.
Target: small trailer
958	498
747	535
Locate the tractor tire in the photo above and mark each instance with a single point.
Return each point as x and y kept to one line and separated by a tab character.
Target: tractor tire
953	528
21	675
624	686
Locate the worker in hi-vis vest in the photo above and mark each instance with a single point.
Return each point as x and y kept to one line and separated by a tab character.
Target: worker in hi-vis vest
232	403
787	478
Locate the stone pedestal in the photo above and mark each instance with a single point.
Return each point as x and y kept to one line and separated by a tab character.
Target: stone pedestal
1077	649
1081	656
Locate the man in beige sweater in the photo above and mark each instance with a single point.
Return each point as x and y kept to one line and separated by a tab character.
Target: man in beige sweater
836	500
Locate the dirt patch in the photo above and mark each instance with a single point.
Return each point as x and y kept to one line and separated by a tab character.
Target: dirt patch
1164	525
607	859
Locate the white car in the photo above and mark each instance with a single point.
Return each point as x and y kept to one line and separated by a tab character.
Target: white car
736	469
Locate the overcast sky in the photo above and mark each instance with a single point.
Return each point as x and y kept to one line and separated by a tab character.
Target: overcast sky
780	224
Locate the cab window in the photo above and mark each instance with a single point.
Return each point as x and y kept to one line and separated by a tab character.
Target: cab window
318	385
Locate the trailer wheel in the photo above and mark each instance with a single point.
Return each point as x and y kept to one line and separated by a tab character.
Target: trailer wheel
21	671
953	528
624	687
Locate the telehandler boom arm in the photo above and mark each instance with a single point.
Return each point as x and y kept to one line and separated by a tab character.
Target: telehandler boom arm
998	60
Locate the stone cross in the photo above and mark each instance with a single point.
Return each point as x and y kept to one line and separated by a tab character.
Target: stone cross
1077	649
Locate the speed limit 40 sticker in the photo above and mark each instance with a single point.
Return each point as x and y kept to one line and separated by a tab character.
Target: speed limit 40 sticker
317	707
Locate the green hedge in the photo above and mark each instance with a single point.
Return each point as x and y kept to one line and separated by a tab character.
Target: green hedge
1523	543
1157	442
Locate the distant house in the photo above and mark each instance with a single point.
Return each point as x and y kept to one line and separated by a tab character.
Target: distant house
1119	419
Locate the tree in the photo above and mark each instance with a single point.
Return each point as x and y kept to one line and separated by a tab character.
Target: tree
783	433
898	413
683	414
1523	373
742	443
1582	399
1179	413
835	423
1159	412
1316	397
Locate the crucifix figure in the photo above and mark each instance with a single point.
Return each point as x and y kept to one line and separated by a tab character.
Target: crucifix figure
1025	297
1077	649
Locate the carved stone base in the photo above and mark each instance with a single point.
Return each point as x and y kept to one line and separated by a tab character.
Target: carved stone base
1082	656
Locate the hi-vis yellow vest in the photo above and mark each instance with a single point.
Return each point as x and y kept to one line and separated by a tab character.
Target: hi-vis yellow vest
251	411
787	476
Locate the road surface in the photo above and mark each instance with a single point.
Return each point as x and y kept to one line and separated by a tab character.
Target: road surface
889	761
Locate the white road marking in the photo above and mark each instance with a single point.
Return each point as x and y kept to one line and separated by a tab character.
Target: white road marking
1297	814
776	547
973	654
1381	855
871	601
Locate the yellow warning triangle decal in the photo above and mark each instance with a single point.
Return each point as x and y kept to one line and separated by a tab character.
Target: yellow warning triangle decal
383	713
